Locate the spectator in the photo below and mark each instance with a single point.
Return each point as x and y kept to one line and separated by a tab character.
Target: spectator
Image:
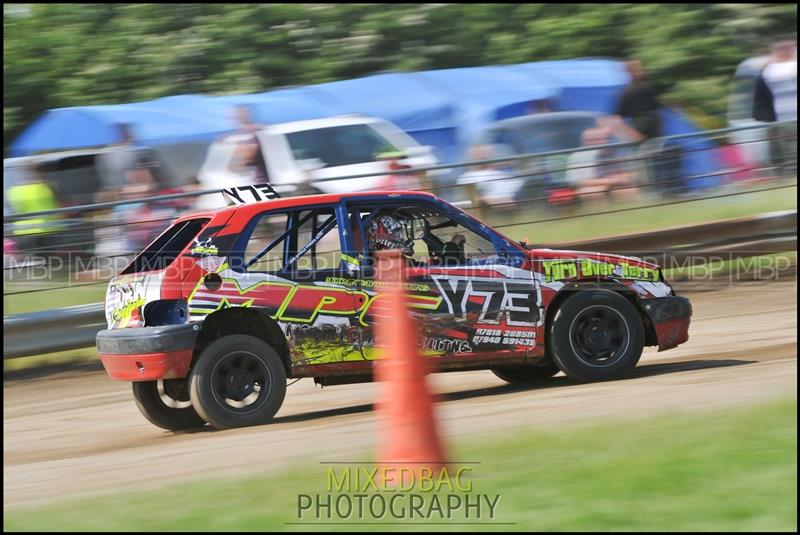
775	97
639	104
126	163
398	181
249	158
594	171
32	194
486	184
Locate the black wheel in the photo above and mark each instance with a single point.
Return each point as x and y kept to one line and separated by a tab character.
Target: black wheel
596	335
166	403
238	380
526	375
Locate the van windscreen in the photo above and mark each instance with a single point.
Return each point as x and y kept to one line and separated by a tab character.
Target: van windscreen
166	248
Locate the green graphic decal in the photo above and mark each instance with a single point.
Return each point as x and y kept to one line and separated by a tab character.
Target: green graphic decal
555	270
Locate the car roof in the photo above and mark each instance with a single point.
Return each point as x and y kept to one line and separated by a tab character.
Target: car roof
314	124
549	117
302	126
250	209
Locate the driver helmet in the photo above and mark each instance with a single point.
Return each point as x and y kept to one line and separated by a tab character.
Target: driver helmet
387	232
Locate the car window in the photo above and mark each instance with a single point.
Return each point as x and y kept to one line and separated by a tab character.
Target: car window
166	248
339	145
429	236
318	245
302	241
263	248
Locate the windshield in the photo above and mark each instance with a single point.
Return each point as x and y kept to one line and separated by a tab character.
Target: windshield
339	145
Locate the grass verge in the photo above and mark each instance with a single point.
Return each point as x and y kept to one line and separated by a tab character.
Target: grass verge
731	470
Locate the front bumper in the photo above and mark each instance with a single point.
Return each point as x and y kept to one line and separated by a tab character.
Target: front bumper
670	317
148	353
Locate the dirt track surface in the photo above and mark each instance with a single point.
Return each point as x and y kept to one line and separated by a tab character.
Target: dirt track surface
81	434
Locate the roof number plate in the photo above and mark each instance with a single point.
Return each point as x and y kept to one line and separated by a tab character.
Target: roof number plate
249	194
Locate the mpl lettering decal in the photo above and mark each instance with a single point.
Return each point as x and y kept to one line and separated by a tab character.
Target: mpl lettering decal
284	301
374	310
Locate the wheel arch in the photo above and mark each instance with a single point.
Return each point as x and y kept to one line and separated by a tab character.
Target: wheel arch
241	320
573	288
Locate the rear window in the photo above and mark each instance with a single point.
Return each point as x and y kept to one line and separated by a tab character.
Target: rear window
166	248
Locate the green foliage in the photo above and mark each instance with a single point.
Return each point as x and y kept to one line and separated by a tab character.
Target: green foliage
57	55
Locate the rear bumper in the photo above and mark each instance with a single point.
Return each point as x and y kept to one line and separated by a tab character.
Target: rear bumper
148	353
670	317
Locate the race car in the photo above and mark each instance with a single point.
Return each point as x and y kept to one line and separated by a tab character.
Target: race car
210	320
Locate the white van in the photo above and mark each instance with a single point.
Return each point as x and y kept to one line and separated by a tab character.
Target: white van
306	155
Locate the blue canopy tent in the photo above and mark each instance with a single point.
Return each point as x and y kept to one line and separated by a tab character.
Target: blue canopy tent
447	109
477	93
163	121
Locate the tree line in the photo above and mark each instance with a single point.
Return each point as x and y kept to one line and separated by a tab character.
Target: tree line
58	55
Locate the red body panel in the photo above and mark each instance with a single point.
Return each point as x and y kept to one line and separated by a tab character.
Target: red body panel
672	333
148	367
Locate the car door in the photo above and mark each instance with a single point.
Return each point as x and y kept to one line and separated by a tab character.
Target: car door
291	268
476	300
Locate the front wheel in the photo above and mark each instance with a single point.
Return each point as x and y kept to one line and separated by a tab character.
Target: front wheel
238	381
596	335
165	403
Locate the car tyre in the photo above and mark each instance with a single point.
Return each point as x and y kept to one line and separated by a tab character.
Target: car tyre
237	381
166	404
596	335
526	375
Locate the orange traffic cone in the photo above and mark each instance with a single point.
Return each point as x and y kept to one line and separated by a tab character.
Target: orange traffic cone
408	443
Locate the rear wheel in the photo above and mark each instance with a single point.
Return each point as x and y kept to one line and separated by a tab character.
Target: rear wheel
596	335
526	375
238	381
165	403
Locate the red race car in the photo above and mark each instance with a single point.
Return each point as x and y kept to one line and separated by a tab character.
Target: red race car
212	318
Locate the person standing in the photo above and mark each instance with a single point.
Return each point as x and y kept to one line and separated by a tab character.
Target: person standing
249	158
640	108
127	162
775	97
639	103
775	100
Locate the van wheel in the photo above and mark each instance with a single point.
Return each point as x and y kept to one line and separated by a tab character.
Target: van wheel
238	381
526	375
165	403
596	335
